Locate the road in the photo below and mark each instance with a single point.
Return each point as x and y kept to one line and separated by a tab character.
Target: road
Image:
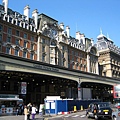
75	116
72	116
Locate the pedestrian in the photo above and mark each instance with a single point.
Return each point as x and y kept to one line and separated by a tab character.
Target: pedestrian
17	111
25	112
29	107
34	109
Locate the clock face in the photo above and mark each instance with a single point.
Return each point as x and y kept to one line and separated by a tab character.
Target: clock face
53	33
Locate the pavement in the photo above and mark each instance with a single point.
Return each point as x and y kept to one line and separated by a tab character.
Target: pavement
37	117
21	117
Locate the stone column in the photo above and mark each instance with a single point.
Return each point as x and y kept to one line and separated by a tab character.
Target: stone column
38	49
79	90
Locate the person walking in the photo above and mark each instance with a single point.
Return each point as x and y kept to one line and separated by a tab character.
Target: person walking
34	109
29	107
25	112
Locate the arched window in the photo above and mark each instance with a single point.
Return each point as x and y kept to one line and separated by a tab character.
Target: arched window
53	43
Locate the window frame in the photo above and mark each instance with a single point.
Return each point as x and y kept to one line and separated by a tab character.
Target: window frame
17	52
9	30
24	55
8	50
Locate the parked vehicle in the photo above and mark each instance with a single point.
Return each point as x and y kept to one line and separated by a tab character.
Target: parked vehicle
99	110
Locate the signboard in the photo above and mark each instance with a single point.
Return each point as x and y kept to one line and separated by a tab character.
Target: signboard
23	88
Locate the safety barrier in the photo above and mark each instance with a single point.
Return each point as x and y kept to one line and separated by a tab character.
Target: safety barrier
8	110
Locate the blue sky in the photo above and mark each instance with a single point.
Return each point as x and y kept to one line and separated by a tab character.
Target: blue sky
86	16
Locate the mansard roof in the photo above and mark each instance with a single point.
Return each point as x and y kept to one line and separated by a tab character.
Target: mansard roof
106	43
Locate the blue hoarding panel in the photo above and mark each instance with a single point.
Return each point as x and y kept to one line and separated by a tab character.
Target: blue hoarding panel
62	106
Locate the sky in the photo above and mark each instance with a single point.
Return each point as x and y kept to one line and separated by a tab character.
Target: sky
86	16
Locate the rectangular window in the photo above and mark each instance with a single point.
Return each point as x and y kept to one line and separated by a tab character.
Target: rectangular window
51	59
9	39
63	55
25	36
43	41
63	48
76	53
25	44
9	31
73	53
1	28
0	37
51	50
8	50
32	46
17	33
43	57
18	23
63	63
16	52
24	54
32	38
17	42
0	47
43	48
10	19
31	56
26	26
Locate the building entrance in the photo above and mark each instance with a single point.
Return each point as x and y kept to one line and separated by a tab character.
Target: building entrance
38	86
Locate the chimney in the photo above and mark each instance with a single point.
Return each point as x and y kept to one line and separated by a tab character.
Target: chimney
78	35
5	4
92	41
26	12
35	17
62	26
68	31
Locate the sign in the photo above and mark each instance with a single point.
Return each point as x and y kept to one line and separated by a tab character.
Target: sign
23	87
62	93
45	67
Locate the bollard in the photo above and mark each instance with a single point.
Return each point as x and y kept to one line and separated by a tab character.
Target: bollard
81	107
46	119
75	109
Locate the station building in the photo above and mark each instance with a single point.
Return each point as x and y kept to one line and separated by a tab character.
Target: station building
41	39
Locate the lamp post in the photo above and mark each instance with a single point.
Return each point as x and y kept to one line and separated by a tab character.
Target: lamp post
79	90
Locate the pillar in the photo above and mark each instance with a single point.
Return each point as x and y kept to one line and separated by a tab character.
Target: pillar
79	90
